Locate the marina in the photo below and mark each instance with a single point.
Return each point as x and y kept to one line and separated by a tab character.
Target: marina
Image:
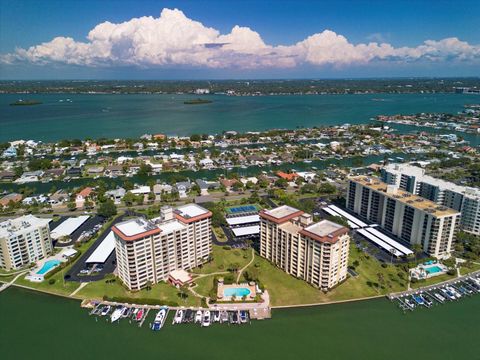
450	291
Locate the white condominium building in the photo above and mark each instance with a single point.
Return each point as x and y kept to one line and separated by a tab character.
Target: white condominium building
461	198
148	250
24	240
314	252
411	218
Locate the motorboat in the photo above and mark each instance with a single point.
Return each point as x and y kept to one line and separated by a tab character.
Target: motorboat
223	316
198	316
216	316
105	310
426	300
117	314
410	303
439	297
139	315
178	317
418	299
243	316
206	318
125	311
449	295
159	319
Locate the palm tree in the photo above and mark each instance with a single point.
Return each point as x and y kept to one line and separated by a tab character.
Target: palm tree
183	292
417	249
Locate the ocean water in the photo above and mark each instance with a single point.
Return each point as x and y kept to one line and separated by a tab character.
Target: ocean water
39	326
94	116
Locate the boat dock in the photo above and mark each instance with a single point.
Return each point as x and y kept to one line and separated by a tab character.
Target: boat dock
438	294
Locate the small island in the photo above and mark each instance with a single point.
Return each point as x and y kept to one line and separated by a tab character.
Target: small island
25	102
197	101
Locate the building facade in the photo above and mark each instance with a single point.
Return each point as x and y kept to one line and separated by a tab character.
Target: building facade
461	198
314	252
148	250
411	218
23	241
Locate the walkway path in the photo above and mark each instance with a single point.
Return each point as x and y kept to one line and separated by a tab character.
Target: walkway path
246	266
7	285
82	285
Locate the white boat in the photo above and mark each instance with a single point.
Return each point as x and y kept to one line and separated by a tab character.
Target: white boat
198	316
223	316
206	318
178	317
105	310
125	311
439	297
117	314
159	318
216	317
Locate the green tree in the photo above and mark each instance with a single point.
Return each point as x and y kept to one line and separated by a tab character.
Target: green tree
107	209
71	206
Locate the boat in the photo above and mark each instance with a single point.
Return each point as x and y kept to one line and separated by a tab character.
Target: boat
125	311
223	316
448	294
307	161
235	318
178	317
139	315
206	318
409	303
418	299
216	316
159	318
439	297
243	316
198	316
105	310
426	300
117	314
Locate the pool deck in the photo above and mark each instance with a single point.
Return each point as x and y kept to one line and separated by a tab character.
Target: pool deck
222	287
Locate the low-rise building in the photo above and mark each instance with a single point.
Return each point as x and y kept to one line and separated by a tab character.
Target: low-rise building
314	252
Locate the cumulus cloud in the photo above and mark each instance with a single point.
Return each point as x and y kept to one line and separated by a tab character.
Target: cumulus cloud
173	39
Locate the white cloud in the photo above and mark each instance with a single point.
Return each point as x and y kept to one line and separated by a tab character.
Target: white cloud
175	40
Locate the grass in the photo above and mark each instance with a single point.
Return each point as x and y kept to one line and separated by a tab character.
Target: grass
204	285
464	270
287	290
160	292
432	281
222	258
219	234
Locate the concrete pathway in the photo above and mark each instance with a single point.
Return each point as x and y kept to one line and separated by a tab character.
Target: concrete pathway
246	266
7	285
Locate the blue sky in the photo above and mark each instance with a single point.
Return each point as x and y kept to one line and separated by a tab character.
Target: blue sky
275	39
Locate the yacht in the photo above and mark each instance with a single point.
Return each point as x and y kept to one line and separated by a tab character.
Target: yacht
105	310
439	297
117	314
178	317
206	318
216	316
198	316
159	319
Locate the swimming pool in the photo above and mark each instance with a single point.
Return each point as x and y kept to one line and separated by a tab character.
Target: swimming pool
433	269
49	265
237	292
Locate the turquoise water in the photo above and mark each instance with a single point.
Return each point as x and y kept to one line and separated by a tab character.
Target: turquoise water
433	269
112	116
49	265
237	292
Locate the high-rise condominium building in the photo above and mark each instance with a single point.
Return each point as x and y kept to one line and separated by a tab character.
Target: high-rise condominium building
148	250
462	198
314	252
411	218
24	240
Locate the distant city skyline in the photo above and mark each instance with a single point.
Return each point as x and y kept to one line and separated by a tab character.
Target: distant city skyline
214	39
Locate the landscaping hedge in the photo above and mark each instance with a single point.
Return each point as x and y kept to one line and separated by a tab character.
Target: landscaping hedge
62	266
140	301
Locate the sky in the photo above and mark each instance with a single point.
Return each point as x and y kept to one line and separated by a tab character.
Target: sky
200	39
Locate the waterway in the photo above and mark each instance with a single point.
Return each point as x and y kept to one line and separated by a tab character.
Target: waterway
94	116
38	326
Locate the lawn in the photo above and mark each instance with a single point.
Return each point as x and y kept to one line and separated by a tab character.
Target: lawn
287	290
159	292
222	258
204	285
464	270
432	281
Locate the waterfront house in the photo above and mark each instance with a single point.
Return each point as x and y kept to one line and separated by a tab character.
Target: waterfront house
82	196
13	197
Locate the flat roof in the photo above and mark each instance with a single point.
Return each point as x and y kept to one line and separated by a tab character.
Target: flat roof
171	226
243	219
333	213
325	231
103	251
347	216
191	210
409	199
247	230
380	243
389	241
135	229
67	227
21	223
281	214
